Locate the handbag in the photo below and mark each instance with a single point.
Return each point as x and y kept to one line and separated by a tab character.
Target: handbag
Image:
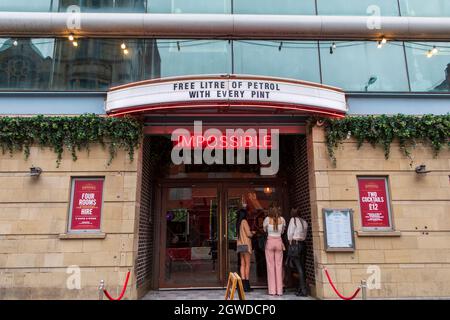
242	248
262	239
294	249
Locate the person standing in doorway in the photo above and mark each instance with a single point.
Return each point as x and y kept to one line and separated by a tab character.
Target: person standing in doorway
244	247
296	234
274	225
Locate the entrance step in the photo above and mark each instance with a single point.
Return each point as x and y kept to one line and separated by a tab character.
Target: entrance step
216	294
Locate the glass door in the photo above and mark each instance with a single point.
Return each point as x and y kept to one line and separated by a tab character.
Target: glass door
257	201
190	248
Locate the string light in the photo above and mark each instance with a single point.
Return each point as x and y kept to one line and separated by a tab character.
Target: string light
332	47
15	43
75	43
379	45
71	37
123	46
125	52
429	53
384	40
434	50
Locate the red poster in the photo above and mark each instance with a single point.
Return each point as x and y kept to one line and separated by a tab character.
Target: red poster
86	204
374	203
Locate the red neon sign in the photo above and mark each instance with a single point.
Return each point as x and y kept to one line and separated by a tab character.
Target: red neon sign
244	141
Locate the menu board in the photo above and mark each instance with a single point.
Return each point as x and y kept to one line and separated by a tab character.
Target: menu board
338	229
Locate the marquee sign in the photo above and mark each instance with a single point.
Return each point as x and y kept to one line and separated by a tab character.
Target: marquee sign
227	90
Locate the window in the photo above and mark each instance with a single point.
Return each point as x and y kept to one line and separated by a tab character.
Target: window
361	66
97	64
189	6
375	204
429	73
25	63
358	7
191	57
287	59
26	5
429	8
303	7
127	6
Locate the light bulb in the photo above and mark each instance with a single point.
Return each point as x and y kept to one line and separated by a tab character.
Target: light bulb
333	45
15	43
125	52
434	50
123	46
429	53
71	37
384	40
75	44
379	45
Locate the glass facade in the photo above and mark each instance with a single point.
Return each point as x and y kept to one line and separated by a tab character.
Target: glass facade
304	7
47	64
429	8
358	7
362	66
438	8
269	58
428	74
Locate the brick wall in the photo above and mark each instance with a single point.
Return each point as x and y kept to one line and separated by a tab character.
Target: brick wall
298	187
34	213
146	219
415	261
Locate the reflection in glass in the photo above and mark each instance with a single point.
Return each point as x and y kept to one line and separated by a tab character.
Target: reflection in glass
358	7
190	57
189	6
287	59
97	64
429	8
126	6
304	7
26	5
63	5
26	63
361	66
192	235
429	74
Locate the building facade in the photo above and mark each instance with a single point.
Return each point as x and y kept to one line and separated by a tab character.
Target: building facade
270	68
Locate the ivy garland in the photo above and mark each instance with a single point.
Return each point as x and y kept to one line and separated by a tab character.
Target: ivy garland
73	133
382	130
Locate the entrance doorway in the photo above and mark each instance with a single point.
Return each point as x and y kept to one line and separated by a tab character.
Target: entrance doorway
198	230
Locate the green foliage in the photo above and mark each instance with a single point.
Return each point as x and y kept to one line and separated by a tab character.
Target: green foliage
72	133
433	130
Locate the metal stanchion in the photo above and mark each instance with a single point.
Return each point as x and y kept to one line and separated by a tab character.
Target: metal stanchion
101	287
364	289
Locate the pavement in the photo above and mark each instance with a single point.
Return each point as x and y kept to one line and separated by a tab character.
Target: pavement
217	294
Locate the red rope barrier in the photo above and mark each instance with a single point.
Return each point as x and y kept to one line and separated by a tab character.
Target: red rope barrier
123	290
337	292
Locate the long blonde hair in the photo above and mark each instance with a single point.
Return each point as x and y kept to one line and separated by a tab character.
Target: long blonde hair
275	214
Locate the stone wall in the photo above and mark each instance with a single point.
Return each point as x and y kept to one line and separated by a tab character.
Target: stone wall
413	263
34	213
